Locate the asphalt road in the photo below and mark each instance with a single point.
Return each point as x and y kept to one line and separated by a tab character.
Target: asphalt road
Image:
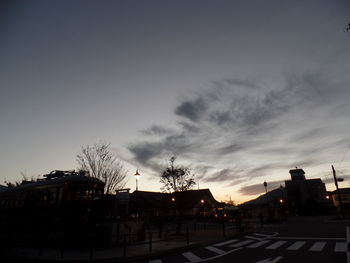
301	239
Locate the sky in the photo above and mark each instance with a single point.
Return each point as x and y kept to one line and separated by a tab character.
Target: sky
239	91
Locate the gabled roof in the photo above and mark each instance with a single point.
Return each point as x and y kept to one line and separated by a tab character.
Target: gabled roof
192	198
184	200
152	199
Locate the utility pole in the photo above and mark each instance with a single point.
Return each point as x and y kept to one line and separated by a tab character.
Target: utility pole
339	196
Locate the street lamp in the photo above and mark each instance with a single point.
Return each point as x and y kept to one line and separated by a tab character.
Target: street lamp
137	176
336	180
282	192
265	185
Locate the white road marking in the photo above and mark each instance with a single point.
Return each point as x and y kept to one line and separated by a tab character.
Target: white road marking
259	234
297	245
251	237
215	250
219	256
308	238
276	245
225	243
240	244
191	257
340	247
258	244
269	260
317	246
155	261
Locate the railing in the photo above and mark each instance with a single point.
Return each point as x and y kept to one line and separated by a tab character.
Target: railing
126	244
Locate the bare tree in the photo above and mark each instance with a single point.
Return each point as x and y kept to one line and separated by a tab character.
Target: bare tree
176	178
103	164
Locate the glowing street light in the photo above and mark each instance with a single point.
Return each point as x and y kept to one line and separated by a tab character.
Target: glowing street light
202	201
137	176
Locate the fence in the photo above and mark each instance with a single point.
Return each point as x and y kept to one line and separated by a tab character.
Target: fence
127	244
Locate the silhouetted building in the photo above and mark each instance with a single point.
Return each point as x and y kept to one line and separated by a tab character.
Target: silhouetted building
196	202
63	203
147	204
297	174
271	205
305	195
186	203
344	194
122	202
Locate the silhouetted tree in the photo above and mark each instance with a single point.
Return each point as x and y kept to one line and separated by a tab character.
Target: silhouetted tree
102	164
176	178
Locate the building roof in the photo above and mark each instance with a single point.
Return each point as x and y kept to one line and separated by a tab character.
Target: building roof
192	198
296	171
306	181
54	181
184	200
342	191
151	199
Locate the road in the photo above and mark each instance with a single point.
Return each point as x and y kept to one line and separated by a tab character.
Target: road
301	239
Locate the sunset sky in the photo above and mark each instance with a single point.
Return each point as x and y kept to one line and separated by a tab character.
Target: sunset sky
240	91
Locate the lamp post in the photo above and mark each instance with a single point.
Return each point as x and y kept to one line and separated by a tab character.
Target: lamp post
336	180
203	210
173	206
282	193
137	176
265	185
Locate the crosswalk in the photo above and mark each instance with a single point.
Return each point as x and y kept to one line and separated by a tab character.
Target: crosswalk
242	243
260	241
317	246
313	246
276	245
297	245
216	250
191	257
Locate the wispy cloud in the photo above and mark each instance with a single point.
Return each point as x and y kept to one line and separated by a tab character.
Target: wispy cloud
255	189
239	130
157	130
192	110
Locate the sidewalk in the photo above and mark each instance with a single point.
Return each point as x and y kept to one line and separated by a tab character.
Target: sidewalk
203	234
